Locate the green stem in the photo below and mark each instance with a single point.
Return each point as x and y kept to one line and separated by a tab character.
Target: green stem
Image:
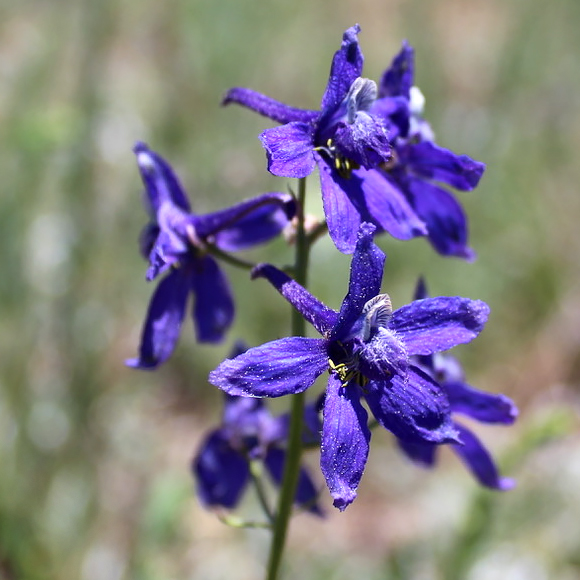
294	450
237	262
255	474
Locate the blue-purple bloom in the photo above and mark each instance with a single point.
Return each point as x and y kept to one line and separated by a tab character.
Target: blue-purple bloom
348	136
367	350
464	400
176	242
375	153
418	164
248	432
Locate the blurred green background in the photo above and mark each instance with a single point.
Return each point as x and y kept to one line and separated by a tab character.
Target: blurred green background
94	481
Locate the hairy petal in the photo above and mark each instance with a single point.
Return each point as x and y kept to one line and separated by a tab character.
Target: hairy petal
383	355
289	149
306	493
484	407
345	442
214	305
435	324
347	66
319	315
221	472
366	273
163	322
446	221
366	141
479	461
282	367
267	106
413	407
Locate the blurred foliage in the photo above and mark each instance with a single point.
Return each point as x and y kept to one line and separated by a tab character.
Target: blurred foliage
94	481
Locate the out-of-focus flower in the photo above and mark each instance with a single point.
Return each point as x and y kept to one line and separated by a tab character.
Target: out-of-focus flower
248	432
176	242
419	165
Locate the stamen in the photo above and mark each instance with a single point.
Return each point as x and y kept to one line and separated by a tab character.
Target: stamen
343	166
347	372
377	313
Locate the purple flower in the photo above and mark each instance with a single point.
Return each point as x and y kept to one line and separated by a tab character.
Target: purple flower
465	400
367	350
419	165
176	243
248	432
347	139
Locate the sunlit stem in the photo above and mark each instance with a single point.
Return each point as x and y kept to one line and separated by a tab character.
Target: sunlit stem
294	450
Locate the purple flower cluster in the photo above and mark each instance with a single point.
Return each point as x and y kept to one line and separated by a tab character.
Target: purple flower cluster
374	152
248	432
367	349
380	171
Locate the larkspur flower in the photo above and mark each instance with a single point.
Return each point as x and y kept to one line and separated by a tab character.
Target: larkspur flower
346	139
248	432
464	400
176	243
418	164
367	350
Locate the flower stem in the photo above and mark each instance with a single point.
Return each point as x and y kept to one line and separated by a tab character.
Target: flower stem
255	474
294	450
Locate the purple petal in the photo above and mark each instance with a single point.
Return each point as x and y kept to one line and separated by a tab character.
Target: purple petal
398	79
221	472
247	224
413	407
484	407
479	461
314	311
428	160
396	111
389	207
347	66
366	141
163	323
345	442
366	273
267	106
289	149
435	324
342	218
306	493
383	355
282	367
214	305
147	239
446	221
168	249
160	181
422	453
